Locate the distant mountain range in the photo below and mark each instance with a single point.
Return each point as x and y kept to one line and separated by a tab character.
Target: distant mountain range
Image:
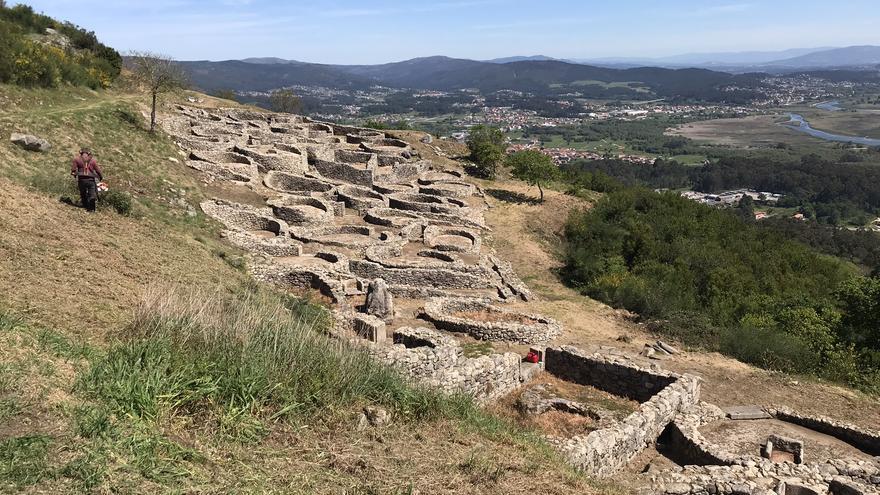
545	76
795	58
539	77
532	58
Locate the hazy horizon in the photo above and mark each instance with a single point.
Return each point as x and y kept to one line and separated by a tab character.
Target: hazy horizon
348	32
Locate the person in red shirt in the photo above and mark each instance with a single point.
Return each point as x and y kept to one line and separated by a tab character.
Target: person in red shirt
87	173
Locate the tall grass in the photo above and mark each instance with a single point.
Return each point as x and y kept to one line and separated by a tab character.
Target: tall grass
246	358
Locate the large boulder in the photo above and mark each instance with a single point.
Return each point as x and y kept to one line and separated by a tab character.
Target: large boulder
30	142
379	301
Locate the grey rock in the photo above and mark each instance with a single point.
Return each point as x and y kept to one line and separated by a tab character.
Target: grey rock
737	413
380	303
666	347
30	142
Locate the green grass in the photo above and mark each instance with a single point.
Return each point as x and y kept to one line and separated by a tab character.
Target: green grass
246	360
23	460
477	349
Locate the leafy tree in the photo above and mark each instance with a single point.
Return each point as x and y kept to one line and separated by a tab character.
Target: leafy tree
159	74
533	167
285	101
860	299
486	145
746	209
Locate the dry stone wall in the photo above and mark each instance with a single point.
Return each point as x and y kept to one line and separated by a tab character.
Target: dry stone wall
663	396
439	361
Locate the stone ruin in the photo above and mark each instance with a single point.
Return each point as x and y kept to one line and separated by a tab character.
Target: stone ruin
394	244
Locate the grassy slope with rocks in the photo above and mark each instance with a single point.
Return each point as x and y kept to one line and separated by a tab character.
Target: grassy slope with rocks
113	379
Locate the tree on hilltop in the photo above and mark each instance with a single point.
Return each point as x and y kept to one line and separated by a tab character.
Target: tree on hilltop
486	145
533	167
285	101
159	74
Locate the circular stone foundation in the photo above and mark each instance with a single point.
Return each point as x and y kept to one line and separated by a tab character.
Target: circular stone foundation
429	178
449	189
452	239
324	260
486	322
301	210
393	188
346	236
296	184
425	203
257	221
360	198
414	255
388	217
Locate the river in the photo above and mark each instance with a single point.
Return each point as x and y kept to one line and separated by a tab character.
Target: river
798	123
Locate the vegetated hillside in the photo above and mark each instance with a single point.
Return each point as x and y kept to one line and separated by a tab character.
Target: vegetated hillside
243	76
36	50
716	281
537	76
444	73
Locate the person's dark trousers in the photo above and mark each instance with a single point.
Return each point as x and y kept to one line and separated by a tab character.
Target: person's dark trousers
88	193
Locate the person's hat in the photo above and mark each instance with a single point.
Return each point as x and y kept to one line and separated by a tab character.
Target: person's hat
85	150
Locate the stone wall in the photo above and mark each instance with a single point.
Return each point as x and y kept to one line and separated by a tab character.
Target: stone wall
663	395
864	439
612	374
419	277
441	364
452	314
344	173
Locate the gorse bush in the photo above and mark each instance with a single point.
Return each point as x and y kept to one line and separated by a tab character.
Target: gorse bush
244	359
27	61
713	280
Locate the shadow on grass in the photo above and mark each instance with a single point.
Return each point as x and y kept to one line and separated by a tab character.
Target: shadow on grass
512	197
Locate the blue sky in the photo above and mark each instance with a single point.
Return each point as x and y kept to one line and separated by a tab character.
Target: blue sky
384	31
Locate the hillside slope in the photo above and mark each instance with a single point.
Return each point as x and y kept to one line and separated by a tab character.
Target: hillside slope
72	286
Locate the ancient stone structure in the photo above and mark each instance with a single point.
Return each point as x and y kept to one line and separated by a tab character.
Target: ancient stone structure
485	322
358	217
663	396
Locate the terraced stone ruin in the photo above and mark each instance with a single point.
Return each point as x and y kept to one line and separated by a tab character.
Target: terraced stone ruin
395	246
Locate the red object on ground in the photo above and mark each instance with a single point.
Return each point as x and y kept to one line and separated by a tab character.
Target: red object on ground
532	357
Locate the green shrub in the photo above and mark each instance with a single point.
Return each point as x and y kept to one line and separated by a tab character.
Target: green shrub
709	279
120	201
486	146
769	349
26	62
